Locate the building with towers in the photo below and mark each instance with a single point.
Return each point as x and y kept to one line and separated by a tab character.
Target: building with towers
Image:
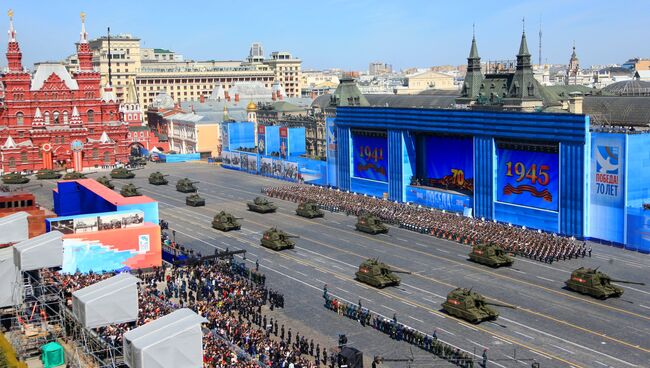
574	75
55	119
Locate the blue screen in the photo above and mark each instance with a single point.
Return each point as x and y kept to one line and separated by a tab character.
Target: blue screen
370	157
528	178
449	162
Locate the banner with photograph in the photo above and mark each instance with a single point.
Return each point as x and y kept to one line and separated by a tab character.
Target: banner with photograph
96	222
266	166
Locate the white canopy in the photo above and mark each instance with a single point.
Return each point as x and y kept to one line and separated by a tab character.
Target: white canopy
14	228
172	341
8	297
111	301
43	251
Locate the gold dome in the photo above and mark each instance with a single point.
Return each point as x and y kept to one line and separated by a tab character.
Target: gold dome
251	106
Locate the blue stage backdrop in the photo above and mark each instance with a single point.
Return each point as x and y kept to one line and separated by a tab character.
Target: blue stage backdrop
448	162
370	157
528	178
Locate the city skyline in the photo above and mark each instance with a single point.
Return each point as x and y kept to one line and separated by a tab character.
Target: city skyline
418	35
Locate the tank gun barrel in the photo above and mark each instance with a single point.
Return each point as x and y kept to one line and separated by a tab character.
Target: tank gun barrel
501	305
292	236
398	271
237	218
627	282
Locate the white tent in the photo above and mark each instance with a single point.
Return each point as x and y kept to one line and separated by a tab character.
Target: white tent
14	228
8	297
172	341
43	251
111	301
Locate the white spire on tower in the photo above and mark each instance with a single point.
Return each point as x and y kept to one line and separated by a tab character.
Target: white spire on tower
12	31
84	35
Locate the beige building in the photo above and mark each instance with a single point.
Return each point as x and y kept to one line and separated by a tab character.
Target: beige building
422	81
125	61
287	70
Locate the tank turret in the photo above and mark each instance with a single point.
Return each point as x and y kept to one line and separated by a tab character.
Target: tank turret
225	222
105	181
75	175
378	274
595	283
471	306
122	173
309	210
15	178
194	200
186	186
262	205
277	239
371	224
130	190
158	178
46	174
490	255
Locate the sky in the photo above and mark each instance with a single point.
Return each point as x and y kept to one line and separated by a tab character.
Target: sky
345	34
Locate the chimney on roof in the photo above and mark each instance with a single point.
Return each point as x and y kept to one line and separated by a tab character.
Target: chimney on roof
575	102
226	94
236	97
202	99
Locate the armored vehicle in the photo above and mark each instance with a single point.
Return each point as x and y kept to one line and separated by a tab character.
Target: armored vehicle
595	283
309	210
277	239
130	190
471	306
158	178
186	186
225	222
74	175
46	174
122	173
378	274
371	224
15	178
105	181
262	205
194	200
491	255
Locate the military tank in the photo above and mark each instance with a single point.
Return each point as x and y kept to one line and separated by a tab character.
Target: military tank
371	224
595	283
130	190
158	178
471	306
262	205
277	239
225	222
74	175
122	173
490	255
194	200
15	178
378	274
309	210
186	186
105	181
46	174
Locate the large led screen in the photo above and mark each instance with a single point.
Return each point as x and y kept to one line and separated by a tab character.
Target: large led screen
448	163
528	178
370	157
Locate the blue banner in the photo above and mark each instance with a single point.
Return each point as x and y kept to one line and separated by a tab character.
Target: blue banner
370	157
448	162
330	132
438	199
528	178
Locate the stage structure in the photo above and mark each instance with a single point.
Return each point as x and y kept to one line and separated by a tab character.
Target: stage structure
111	301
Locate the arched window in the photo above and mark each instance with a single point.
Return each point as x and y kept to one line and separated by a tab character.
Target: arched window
65	117
95	154
20	119
47	117
107	158
23	157
12	163
91	116
55	116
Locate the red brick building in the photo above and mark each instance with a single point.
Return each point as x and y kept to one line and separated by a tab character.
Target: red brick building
51	119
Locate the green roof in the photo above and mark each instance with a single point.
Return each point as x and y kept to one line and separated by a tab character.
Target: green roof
348	94
283	106
162	51
141	128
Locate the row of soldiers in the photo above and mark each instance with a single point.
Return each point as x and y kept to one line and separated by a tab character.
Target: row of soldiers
398	331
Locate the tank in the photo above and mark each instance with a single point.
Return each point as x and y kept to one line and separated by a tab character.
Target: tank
74	175
194	200
15	178
105	181
595	283
277	239
158	178
471	306
122	173
490	255
371	224
46	174
378	274
309	210
262	205
186	186
130	190
225	222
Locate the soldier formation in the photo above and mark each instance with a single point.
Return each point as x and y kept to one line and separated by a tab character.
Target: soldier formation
536	245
